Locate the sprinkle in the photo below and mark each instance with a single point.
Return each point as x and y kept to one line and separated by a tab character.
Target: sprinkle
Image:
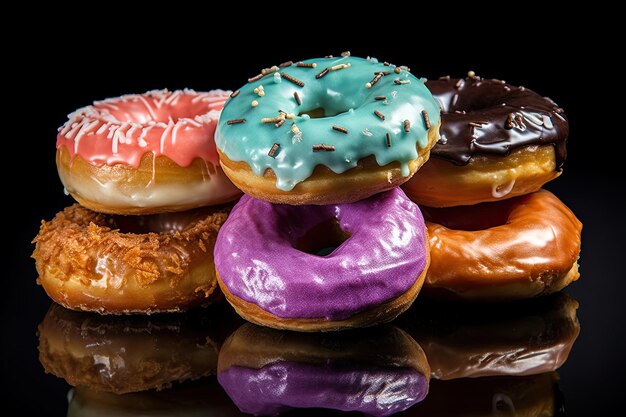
340	129
367	132
321	74
305	65
345	53
374	80
286	64
254	103
323	148
382	72
386	63
280	123
255	78
339	66
260	90
234	94
426	119
235	121
459	83
274	149
475	124
266	71
380	98
471	74
399	81
290	116
277	78
294	129
292	79
273	119
297	97
397	70
388	138
407	125
379	114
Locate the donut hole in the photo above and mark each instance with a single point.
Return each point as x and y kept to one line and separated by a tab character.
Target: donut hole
471	218
322	239
156	223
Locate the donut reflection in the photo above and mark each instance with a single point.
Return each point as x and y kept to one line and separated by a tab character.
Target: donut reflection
377	371
494	359
123	354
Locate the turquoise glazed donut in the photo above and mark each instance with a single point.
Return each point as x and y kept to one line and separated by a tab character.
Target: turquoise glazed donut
326	130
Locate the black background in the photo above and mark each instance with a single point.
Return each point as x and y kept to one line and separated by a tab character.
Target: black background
67	68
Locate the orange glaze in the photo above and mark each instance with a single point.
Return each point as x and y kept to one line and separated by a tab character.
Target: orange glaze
517	248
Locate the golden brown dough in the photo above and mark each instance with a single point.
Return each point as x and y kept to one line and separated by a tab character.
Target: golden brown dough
85	262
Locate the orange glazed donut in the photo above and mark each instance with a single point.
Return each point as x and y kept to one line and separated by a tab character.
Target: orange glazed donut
128	264
517	248
144	154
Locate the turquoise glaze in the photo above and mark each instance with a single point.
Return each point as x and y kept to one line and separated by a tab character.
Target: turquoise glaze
347	102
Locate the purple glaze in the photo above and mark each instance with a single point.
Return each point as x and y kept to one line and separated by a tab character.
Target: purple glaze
281	386
380	261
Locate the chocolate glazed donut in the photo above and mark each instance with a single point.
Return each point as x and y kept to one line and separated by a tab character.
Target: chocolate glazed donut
497	141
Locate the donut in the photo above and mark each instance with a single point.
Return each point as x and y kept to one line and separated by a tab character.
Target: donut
520	396
378	371
528	337
144	154
274	268
497	141
326	130
516	248
128	264
132	353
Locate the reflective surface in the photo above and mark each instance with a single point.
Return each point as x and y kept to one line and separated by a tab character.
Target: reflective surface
208	361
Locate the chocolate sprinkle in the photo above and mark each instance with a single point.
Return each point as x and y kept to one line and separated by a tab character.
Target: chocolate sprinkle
234	94
407	125
286	64
297	97
323	148
426	119
380	98
321	74
274	149
235	121
292	79
255	78
379	114
388	138
340	129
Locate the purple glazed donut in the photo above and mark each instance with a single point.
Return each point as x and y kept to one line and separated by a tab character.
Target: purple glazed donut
271	266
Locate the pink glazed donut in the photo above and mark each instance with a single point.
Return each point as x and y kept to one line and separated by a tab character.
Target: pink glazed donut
145	153
273	264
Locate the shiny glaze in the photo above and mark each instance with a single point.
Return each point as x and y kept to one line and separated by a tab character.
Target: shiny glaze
377	371
494	105
381	260
282	386
533	237
177	124
347	102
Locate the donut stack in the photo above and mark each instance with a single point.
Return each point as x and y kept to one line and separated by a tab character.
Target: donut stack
494	234
146	174
324	238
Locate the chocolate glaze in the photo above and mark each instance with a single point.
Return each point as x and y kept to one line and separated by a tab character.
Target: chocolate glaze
491	117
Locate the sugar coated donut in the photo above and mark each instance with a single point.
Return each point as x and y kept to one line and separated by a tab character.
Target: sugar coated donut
497	141
147	153
326	130
128	264
378	371
516	248
268	266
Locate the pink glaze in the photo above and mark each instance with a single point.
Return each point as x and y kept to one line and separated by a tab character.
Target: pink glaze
177	124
